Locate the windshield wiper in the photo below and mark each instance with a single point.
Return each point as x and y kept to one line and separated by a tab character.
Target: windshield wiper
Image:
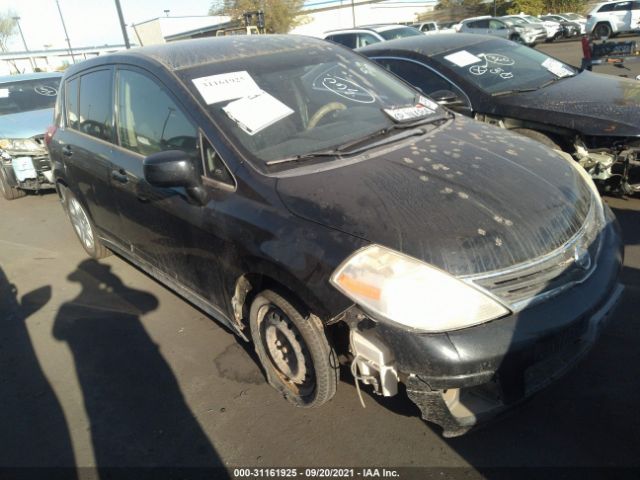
320	153
532	89
384	131
408	130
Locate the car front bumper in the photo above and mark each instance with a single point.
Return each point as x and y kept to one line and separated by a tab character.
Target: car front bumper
462	378
28	172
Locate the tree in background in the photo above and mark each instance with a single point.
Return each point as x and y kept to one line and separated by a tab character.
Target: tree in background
458	9
280	16
7	28
530	7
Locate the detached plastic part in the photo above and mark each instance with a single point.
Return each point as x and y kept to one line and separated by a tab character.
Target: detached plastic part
24	169
374	363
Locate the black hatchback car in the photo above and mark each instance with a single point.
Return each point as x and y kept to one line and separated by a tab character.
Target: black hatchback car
323	209
593	117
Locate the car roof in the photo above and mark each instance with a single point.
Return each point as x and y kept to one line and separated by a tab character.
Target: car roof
429	45
185	54
29	76
482	17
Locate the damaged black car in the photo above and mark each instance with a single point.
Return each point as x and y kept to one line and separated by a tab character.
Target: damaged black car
594	118
330	214
26	110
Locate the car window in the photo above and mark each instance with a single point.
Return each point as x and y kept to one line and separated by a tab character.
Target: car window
71	100
496	25
365	39
149	121
497	66
479	24
346	39
28	95
296	100
635	6
623	6
96	113
400	32
609	7
214	167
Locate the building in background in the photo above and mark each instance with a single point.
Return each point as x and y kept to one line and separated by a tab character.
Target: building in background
169	29
49	60
324	15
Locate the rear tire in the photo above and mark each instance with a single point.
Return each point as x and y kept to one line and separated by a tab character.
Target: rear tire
540	137
9	192
294	351
602	30
83	226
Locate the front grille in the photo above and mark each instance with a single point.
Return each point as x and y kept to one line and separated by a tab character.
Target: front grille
534	281
41	163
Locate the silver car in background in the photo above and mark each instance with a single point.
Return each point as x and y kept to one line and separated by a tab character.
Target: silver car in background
26	110
509	29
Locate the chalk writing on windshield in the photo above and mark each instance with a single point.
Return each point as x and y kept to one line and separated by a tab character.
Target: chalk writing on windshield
46	90
333	81
493	64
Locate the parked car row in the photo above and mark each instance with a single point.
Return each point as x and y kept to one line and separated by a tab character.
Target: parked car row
330	212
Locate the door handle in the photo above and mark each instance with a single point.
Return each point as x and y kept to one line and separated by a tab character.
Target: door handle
66	151
119	176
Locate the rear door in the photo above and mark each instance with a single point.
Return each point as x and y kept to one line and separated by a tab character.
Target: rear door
621	16
84	143
347	39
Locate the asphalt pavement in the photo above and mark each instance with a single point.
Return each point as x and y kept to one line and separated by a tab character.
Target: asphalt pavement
101	366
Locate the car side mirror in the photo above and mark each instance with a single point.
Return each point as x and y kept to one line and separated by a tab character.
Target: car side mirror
174	168
446	97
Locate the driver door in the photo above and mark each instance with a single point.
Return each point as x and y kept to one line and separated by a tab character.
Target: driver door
163	226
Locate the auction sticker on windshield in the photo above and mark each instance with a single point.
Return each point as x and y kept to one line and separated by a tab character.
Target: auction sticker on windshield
226	86
4	93
462	58
257	112
557	68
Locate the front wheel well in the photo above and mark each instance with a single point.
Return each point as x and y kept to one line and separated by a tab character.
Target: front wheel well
249	285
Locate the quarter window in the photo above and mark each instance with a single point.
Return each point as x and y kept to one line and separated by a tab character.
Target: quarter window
96	114
346	39
149	121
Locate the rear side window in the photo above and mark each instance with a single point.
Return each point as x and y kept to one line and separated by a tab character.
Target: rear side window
365	39
609	7
622	7
346	39
479	24
96	114
71	100
149	121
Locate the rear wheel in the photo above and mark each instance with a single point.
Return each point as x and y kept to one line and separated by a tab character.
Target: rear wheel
294	351
540	137
602	30
8	191
83	227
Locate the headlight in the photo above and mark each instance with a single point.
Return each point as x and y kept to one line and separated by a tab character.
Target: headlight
19	145
395	287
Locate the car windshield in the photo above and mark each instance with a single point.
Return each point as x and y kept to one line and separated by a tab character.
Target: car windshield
514	21
299	101
28	95
500	66
573	16
400	32
533	19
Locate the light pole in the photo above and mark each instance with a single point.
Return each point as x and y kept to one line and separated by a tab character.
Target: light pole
122	25
26	49
64	27
353	14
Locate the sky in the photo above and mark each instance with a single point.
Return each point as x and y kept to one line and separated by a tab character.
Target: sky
89	22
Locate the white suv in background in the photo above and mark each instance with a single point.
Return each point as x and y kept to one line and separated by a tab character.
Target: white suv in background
611	18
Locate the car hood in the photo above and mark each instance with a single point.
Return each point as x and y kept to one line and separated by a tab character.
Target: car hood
467	198
25	124
590	103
